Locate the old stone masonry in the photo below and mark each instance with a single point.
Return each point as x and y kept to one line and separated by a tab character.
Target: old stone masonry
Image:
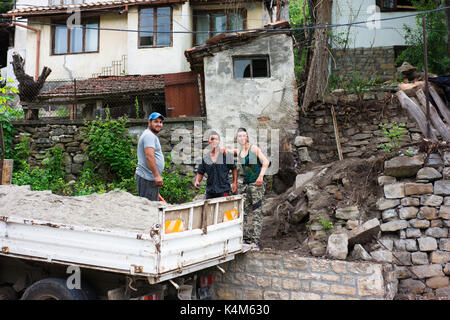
416	219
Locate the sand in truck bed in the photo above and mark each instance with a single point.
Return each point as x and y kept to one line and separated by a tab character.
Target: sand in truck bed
113	210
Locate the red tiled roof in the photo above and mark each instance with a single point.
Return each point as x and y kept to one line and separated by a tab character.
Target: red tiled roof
111	85
62	9
225	40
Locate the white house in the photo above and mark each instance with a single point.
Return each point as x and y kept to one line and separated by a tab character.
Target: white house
110	37
369	48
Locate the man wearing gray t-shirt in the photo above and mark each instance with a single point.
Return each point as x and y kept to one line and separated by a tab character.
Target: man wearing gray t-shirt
150	159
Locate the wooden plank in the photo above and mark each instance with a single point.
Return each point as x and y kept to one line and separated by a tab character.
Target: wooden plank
435	119
416	113
440	104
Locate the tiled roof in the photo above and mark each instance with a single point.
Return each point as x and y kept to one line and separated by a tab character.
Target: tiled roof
58	9
226	40
112	85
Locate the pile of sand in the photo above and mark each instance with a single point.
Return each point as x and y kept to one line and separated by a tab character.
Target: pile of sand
113	210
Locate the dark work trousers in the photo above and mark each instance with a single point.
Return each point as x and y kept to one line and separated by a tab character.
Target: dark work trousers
147	189
216	195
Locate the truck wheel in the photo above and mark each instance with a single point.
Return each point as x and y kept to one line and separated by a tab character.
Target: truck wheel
52	289
8	293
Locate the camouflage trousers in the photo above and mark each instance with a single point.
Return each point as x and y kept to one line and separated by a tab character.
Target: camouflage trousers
253	201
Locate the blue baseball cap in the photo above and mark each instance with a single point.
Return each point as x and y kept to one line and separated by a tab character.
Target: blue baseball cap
155	115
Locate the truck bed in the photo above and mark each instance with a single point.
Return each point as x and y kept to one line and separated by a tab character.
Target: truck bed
146	249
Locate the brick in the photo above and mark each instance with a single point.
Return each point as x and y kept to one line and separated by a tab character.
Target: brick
427	271
263	282
420	224
290	284
253	294
431	200
394	225
427	244
384	204
295	263
408	212
317	265
444	244
304	296
413	233
419	258
418	188
410	201
437	232
330	278
394	190
429	213
371	286
225	294
437	282
345	290
339	267
444	212
440	257
275	295
319	287
411	286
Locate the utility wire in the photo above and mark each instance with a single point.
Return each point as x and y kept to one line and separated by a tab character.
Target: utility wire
312	27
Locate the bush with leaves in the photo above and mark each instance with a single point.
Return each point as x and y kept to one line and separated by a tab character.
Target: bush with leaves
51	176
111	148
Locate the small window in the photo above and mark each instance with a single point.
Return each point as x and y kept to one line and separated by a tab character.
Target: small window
75	40
395	5
155	26
213	22
251	67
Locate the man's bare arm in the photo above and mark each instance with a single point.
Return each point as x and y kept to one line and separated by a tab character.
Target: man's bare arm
151	163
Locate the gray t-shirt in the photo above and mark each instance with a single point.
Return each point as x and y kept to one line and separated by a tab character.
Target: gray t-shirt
149	140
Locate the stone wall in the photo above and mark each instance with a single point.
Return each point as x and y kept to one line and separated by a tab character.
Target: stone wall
415	214
67	136
357	124
365	63
282	275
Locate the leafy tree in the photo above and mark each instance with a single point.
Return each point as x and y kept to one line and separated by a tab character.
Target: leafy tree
5	6
437	37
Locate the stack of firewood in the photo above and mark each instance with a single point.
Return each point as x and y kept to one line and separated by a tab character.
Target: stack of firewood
412	97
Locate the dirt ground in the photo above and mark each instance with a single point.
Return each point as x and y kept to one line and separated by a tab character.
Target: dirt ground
350	182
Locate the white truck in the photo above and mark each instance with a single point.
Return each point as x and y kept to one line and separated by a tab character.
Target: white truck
52	258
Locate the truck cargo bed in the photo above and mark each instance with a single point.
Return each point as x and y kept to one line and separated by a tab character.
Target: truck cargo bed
208	232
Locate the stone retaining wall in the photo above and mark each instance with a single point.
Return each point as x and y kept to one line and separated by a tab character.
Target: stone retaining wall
358	127
67	136
415	214
268	275
365	63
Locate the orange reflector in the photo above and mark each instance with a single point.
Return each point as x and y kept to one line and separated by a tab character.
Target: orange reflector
230	215
174	226
151	297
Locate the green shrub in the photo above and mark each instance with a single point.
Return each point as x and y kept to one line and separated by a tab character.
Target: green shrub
111	147
51	176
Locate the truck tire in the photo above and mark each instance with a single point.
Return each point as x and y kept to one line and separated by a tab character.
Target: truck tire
8	293
52	289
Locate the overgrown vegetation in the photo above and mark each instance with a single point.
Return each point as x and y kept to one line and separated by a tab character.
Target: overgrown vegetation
437	35
112	161
394	132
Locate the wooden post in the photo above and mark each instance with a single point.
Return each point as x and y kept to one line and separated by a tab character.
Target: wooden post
427	87
336	134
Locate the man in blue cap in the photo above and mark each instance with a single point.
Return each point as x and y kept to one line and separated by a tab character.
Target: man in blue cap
150	159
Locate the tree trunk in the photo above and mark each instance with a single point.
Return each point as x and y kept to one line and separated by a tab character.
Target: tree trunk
28	88
319	68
